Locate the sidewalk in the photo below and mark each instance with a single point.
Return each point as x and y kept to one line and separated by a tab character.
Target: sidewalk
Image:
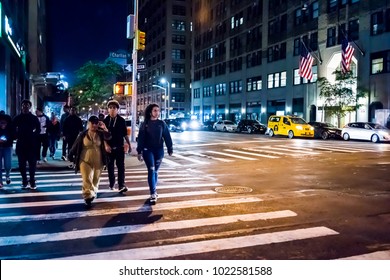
58	163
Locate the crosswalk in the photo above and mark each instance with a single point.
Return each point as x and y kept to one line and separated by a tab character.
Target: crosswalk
190	220
254	152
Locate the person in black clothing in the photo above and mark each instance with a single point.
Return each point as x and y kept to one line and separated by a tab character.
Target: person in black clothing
27	128
6	140
150	147
43	136
54	132
117	127
62	121
73	125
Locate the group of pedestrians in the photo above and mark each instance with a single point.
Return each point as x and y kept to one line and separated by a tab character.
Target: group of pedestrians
90	150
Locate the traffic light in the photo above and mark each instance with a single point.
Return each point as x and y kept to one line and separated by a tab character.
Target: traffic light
119	89
141	40
129	89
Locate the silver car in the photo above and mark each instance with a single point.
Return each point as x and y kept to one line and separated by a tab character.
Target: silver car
225	125
365	131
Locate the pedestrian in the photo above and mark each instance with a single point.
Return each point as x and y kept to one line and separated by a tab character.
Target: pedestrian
54	133
27	129
43	136
73	125
6	140
150	146
64	142
88	154
117	127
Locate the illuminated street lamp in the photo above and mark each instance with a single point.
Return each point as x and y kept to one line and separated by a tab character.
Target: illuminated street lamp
165	99
168	95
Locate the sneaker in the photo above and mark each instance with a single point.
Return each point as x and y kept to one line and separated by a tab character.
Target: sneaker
122	189
8	180
25	185
88	201
39	162
64	158
153	198
33	186
111	187
44	159
105	168
53	158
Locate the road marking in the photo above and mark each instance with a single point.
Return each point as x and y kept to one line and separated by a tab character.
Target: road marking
300	152
211	157
99	200
106	190
380	255
230	155
268	151
135	209
190	159
251	154
127	229
173	250
170	162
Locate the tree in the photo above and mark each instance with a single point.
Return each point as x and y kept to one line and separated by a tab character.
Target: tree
340	99
94	82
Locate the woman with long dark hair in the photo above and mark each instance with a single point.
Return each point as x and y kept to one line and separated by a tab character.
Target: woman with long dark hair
150	146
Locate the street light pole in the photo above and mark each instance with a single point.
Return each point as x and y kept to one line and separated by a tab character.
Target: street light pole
165	99
135	60
163	80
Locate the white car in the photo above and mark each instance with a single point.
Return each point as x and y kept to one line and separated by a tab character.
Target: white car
225	125
365	131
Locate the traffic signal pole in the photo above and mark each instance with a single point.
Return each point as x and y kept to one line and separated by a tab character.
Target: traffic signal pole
134	111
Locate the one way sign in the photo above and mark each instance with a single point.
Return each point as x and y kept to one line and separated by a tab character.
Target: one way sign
129	67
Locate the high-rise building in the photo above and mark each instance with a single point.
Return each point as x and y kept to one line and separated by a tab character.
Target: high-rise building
167	55
246	53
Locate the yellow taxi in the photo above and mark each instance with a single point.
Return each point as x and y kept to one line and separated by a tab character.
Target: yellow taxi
289	126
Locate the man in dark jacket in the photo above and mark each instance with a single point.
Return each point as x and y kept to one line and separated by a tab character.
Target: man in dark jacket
73	125
27	129
62	121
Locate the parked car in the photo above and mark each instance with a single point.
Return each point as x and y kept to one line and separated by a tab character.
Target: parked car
208	125
325	130
188	124
174	125
251	126
225	125
374	132
289	126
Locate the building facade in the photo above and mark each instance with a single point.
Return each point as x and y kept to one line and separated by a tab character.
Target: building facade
167	77
246	56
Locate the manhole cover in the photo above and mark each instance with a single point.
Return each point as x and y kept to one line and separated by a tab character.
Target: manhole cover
233	189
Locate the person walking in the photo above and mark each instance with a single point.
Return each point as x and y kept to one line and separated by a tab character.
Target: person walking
27	128
117	127
54	133
150	146
73	125
43	136
88	154
6	140
64	142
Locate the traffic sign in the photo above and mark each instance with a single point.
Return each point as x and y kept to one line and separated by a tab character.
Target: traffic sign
129	67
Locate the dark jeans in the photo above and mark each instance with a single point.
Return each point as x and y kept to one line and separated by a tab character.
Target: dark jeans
52	144
23	157
44	144
153	159
117	156
64	147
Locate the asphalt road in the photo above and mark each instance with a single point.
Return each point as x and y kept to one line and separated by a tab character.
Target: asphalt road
221	196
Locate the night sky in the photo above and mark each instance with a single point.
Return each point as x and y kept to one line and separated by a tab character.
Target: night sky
83	30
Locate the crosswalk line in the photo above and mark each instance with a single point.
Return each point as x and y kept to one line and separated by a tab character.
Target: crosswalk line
230	155
380	255
138	228
174	250
99	200
209	202
211	157
189	159
251	154
170	162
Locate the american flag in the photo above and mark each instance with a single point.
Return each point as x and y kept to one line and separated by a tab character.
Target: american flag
305	64
346	55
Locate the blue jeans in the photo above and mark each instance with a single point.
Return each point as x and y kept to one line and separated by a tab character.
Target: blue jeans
5	154
153	159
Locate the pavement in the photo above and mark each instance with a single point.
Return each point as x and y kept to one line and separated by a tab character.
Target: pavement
58	163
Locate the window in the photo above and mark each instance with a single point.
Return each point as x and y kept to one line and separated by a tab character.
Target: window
299	80
178	68
377	26
380	62
277	79
331	37
178	54
196	93
235	87
179	25
254	84
207	91
253	59
220	89
178	39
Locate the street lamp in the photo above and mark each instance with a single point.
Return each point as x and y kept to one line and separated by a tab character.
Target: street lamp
168	95
165	99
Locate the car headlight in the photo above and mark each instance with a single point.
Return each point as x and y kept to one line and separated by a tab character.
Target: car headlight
184	125
311	128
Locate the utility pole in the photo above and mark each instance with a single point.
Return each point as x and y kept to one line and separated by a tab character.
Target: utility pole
135	60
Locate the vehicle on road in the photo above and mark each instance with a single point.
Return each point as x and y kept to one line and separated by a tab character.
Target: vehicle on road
174	125
251	126
207	125
225	125
188	124
373	132
289	126
325	130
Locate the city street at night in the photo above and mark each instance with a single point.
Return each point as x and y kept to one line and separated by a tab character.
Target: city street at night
221	196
